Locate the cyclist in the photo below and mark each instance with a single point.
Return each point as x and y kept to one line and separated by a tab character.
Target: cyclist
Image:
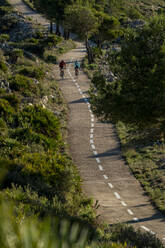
76	67
62	66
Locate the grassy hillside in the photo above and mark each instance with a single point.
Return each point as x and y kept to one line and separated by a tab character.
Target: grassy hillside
41	202
136	8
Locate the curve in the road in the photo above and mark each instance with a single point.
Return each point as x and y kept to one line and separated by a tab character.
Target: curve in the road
100	166
95	149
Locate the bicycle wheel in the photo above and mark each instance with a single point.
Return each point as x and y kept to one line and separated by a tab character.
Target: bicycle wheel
62	73
76	72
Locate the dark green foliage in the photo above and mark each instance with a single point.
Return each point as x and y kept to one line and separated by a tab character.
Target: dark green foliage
39	44
134	238
108	28
134	14
13	100
6	110
51	59
21	83
4	38
28	136
40	120
53	40
15	54
3	66
5	10
137	96
35	72
7	23
51	232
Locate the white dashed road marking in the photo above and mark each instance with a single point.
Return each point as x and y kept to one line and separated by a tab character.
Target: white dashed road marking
92	130
117	195
105	177
123	203
95	152
93	147
135	219
130	211
110	185
98	160
147	229
101	168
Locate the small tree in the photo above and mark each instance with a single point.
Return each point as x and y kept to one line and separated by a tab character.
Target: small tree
82	21
108	28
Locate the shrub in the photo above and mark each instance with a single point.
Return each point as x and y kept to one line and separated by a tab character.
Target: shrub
21	83
3	127
41	121
3	66
134	14
8	22
15	54
28	137
4	38
13	100
138	238
5	10
6	110
49	232
35	72
2	124
51	59
52	40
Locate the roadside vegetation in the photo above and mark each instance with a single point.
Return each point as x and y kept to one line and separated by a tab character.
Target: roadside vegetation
41	202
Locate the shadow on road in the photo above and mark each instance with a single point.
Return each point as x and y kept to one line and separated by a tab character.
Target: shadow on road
81	100
156	216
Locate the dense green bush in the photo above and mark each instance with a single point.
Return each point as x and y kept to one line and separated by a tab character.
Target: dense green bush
8	22
21	83
3	66
6	110
50	232
134	14
35	72
51	59
13	99
4	37
29	137
5	10
52	40
138	238
3	127
40	120
15	54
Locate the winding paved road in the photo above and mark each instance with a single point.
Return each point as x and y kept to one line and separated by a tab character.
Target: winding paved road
95	149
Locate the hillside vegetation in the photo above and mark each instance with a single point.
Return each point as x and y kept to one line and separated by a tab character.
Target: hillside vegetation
42	204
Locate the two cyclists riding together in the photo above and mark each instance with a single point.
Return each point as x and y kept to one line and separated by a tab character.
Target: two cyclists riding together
62	66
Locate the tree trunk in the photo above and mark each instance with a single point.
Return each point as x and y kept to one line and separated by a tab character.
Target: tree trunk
66	34
89	52
58	29
51	27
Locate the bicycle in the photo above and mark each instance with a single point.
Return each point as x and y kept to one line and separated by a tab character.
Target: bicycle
62	73
76	72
